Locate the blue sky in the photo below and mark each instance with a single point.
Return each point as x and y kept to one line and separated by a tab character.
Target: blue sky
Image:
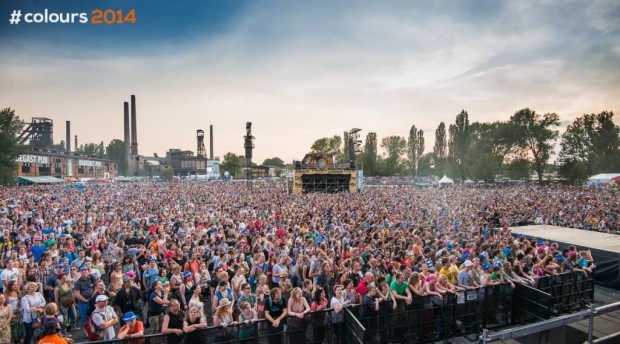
303	70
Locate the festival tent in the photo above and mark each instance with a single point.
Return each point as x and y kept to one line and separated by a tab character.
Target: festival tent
445	181
469	182
39	180
602	179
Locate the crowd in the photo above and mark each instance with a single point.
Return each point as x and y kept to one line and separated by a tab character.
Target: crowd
177	257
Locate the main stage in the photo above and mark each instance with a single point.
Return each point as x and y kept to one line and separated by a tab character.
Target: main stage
605	248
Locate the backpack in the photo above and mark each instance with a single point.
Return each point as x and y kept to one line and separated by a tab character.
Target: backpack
93	332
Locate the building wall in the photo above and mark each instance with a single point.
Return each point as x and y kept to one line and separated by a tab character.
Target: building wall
35	164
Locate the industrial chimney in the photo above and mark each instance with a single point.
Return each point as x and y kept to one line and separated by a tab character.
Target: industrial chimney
211	142
134	131
76	146
127	143
68	138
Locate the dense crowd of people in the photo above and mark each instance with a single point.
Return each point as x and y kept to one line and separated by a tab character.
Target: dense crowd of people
177	257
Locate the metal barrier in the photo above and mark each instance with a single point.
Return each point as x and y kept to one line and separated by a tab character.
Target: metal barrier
530	305
426	319
560	321
570	291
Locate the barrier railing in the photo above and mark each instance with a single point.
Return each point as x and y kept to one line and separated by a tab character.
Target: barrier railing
570	291
530	305
426	319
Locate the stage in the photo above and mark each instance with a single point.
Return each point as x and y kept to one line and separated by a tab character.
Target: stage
605	248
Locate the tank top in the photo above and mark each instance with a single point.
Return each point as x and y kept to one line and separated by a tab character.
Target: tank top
194	336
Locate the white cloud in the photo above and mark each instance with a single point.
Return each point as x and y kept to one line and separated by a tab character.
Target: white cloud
307	71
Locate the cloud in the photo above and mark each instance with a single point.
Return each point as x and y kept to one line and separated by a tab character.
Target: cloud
304	70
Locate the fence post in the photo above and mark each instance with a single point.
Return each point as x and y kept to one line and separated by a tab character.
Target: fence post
591	323
485	336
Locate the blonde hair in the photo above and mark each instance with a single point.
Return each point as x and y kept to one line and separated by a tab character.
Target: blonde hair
51	309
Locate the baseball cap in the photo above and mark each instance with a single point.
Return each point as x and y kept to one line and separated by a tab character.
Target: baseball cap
101	298
468	263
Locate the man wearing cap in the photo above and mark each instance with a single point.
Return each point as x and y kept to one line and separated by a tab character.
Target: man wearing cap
128	298
83	290
100	289
52	281
465	278
37	249
133	328
104	317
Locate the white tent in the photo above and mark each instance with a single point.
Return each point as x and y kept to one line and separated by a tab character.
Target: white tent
445	181
603	179
469	182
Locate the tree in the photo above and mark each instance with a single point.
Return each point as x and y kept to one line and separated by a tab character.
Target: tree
518	169
59	147
460	143
10	127
490	143
167	173
230	164
439	149
394	147
412	150
533	132
91	149
327	145
370	154
115	151
275	161
594	140
425	164
420	150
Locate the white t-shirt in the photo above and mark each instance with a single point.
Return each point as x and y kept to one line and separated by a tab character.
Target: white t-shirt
100	316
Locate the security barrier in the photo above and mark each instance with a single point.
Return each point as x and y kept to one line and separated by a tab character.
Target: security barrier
425	319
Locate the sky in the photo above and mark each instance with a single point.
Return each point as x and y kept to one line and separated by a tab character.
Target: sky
302	70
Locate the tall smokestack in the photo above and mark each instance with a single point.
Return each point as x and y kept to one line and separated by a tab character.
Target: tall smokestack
127	143
68	140
211	142
134	131
76	146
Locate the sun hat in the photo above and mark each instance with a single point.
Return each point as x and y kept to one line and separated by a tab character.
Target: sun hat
486	266
223	303
129	316
468	263
559	257
187	274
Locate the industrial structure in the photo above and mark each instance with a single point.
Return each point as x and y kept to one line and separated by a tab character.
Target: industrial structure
41	160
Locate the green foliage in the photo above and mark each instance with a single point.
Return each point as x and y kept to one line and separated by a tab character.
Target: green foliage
369	156
274	162
439	149
533	132
230	163
91	149
425	164
327	145
594	140
489	145
394	147
519	169
459	144
412	150
61	146
167	174
10	127
116	151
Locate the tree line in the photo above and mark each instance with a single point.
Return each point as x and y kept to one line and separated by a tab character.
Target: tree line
515	148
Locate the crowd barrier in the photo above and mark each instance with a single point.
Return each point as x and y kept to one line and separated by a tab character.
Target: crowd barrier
425	319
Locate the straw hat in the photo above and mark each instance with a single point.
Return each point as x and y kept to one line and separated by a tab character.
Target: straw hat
223	303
